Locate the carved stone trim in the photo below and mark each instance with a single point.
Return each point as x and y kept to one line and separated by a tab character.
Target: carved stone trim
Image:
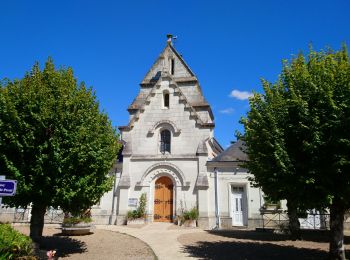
163	168
202	181
182	98
165	122
124	182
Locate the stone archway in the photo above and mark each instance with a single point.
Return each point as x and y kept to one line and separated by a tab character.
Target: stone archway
163	168
163	200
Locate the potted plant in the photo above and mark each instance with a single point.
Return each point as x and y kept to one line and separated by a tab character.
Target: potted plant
77	224
138	216
189	217
270	204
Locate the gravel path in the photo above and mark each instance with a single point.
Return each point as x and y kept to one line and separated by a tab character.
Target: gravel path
249	244
99	245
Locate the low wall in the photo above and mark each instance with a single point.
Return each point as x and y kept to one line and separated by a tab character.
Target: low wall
272	220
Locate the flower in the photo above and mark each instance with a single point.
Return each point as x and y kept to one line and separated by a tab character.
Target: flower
50	254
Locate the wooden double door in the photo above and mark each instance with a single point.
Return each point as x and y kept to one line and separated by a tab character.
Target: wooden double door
163	200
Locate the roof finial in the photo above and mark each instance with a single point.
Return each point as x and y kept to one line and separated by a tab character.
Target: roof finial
170	37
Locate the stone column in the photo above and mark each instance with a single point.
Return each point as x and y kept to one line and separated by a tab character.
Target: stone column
123	191
203	220
203	201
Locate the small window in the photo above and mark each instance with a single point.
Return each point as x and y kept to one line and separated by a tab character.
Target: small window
172	71
165	138
166	100
237	189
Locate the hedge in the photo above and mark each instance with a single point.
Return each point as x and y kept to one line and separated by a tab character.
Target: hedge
14	245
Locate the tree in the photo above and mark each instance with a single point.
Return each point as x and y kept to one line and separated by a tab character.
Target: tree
273	151
55	142
298	137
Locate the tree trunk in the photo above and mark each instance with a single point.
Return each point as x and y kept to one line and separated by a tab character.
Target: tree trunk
336	245
294	224
37	221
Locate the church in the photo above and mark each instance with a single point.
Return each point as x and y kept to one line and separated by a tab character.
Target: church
170	154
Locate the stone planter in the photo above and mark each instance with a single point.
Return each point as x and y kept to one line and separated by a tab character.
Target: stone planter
190	223
271	206
78	229
136	221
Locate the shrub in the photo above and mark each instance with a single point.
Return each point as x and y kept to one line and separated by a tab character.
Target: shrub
14	245
72	219
132	214
140	212
142	205
270	202
76	220
191	214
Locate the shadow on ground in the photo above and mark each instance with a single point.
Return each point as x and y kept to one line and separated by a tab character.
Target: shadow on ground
307	235
251	251
64	245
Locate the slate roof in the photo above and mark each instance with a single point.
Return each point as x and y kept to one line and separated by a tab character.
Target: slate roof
232	154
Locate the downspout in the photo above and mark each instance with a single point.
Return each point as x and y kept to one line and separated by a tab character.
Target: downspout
217	209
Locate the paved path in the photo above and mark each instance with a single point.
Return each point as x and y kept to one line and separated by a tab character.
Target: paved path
161	237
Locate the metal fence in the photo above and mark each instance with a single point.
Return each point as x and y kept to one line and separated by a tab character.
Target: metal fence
23	215
54	216
279	219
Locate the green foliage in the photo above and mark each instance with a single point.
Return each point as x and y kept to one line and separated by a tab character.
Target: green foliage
13	244
191	214
76	220
297	132
134	214
142	204
269	202
54	140
83	217
140	212
298	138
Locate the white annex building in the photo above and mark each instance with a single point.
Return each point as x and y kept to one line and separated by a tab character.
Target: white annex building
170	153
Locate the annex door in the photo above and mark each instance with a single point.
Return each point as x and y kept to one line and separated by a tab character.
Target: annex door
163	200
237	206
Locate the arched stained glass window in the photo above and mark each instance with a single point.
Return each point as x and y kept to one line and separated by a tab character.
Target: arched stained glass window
165	140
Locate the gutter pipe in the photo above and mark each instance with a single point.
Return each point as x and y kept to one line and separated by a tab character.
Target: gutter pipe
217	209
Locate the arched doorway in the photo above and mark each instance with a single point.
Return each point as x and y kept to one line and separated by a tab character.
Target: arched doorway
163	200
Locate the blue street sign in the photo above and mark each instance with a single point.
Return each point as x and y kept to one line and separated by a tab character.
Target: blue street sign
7	188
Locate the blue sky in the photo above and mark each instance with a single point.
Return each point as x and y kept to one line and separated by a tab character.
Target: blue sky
111	45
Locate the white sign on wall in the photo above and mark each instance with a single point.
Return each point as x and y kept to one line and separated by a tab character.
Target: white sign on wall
132	202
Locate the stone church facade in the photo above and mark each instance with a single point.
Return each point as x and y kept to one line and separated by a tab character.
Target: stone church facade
170	154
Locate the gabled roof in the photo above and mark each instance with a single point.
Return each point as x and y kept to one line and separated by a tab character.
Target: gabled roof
234	153
183	81
154	73
183	76
215	145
